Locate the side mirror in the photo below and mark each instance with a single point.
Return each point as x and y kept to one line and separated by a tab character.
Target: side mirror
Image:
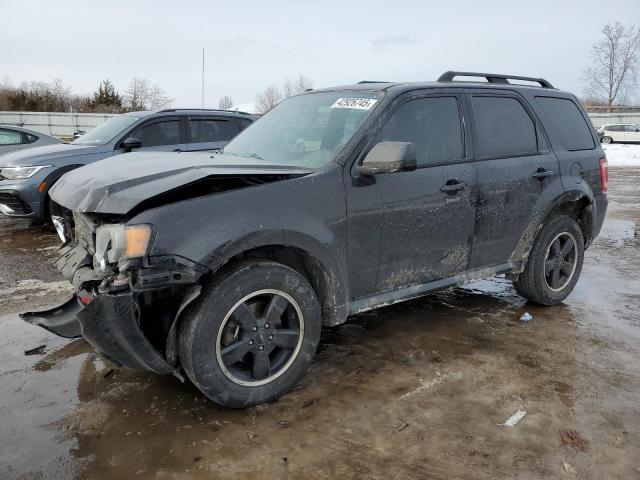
389	157
131	143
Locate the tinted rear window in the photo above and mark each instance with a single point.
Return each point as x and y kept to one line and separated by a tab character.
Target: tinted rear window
504	127
210	130
567	122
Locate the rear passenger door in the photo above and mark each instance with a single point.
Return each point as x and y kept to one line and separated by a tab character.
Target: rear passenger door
210	133
516	167
427	214
631	133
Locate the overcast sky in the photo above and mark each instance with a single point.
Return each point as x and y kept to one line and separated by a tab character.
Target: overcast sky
252	44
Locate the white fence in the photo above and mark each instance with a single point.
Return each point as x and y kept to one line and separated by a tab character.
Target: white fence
58	124
64	125
599	119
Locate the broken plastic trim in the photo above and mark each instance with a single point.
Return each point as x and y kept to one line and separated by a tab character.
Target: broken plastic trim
61	320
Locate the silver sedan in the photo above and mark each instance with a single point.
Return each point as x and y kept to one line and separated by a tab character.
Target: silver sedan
17	138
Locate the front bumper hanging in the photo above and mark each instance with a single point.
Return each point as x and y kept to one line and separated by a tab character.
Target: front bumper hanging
110	321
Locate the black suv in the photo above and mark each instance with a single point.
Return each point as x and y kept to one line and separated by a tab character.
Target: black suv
341	200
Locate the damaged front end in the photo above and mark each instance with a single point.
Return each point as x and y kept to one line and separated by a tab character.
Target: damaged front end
126	303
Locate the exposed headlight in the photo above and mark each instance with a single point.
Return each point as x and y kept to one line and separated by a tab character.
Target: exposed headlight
19	173
117	242
62	227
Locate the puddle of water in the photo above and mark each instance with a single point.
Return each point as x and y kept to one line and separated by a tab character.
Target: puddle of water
31	398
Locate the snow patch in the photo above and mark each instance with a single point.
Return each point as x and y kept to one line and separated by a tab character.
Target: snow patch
622	155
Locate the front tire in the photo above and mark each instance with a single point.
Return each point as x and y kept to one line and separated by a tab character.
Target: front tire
251	335
607	140
554	264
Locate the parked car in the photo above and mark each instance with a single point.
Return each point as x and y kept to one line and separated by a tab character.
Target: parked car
224	266
619	132
14	138
27	176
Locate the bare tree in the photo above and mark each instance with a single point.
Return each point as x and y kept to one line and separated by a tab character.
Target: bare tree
157	98
615	64
268	99
134	96
272	95
300	85
225	103
36	96
143	95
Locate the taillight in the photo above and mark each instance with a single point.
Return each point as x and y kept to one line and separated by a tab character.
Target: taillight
604	174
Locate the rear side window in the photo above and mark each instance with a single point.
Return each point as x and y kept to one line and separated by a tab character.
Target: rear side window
432	125
210	130
567	121
504	127
10	137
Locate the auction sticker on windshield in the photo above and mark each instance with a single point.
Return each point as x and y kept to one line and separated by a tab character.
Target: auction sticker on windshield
357	103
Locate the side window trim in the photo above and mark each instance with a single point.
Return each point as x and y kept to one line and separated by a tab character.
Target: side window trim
539	131
402	100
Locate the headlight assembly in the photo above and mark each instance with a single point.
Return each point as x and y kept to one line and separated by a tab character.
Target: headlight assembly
20	173
117	242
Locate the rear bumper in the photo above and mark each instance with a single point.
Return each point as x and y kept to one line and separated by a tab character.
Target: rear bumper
600	203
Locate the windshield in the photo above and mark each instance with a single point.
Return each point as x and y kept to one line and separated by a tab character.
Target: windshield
103	134
307	130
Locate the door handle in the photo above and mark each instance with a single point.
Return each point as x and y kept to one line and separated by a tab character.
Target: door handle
453	186
542	173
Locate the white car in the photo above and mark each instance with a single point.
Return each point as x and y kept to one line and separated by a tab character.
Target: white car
620	132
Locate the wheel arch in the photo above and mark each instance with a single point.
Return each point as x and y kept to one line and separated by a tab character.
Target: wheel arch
298	251
49	181
575	204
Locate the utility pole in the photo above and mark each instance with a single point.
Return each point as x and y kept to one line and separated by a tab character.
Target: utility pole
203	78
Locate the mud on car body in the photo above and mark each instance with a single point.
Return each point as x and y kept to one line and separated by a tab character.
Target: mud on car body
224	267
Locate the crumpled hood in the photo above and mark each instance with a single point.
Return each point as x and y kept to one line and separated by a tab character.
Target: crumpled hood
30	157
117	184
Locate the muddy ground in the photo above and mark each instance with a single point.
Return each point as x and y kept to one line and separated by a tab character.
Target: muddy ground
417	390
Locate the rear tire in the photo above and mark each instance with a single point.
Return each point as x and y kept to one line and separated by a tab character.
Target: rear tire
251	335
607	140
554	264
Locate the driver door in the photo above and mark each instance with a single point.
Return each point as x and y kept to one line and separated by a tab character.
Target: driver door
426	216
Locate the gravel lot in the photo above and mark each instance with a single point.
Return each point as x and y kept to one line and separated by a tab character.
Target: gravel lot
417	390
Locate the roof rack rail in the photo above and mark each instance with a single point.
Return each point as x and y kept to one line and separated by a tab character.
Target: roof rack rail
204	110
493	78
372	81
